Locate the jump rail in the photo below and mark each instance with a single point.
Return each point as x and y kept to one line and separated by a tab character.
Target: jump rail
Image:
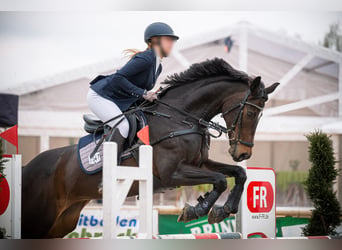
193	236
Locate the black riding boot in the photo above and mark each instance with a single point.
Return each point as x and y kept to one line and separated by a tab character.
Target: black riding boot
115	136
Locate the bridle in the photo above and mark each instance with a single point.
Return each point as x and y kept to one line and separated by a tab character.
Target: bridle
237	122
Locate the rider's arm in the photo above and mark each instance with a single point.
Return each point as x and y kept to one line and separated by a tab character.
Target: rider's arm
134	66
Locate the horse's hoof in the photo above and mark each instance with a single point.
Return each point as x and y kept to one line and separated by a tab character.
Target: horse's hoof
217	214
187	214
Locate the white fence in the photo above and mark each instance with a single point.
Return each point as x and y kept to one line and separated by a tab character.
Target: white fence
117	181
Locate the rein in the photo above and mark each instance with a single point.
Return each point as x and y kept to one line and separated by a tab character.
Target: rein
201	121
221	129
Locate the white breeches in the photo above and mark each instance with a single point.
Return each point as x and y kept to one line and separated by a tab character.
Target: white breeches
105	109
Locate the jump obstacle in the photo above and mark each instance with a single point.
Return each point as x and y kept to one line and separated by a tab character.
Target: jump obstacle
117	181
257	206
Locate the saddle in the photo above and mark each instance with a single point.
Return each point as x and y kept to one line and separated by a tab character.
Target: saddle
137	120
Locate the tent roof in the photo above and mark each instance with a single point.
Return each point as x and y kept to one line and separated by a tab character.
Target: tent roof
270	44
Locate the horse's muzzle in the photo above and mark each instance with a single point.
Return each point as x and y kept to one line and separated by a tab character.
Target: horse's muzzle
238	154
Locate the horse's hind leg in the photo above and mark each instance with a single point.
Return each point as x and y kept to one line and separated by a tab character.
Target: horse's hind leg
67	220
188	175
219	213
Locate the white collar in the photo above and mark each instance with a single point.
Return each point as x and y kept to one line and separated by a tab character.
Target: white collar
158	61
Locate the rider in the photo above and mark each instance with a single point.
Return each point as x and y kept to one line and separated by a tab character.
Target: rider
109	96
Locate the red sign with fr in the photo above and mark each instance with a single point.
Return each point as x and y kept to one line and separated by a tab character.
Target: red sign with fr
260	197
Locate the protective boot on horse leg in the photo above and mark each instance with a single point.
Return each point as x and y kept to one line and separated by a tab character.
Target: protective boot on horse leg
219	213
185	176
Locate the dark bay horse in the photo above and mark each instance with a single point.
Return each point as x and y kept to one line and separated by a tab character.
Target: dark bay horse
55	189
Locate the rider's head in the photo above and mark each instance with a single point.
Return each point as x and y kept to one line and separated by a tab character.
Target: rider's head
161	37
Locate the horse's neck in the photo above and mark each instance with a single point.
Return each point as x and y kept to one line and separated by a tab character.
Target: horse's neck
206	100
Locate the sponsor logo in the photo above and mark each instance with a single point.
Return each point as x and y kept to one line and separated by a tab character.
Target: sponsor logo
260	197
96	158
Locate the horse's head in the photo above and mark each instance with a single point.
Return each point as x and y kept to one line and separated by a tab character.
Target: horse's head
242	118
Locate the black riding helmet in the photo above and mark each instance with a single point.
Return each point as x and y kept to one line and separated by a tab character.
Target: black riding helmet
158	29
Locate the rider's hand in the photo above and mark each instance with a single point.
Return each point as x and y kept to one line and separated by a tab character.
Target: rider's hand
150	96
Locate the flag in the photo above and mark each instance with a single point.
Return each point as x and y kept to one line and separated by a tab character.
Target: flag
11	135
144	135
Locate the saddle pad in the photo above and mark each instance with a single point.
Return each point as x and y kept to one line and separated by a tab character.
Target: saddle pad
85	147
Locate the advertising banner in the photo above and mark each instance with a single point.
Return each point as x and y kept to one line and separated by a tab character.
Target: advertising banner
90	223
168	225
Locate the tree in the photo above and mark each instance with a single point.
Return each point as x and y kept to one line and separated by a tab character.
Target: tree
333	38
319	185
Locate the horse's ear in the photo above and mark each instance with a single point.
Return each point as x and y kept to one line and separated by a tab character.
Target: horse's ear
271	88
255	85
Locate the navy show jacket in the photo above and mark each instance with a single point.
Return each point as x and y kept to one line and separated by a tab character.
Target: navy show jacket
127	84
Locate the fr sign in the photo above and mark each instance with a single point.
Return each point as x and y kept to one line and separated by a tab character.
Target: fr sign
256	217
260	197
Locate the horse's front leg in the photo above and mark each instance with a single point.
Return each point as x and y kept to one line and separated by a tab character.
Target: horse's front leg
219	213
188	175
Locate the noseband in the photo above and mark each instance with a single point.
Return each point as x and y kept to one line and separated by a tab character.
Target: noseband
237	122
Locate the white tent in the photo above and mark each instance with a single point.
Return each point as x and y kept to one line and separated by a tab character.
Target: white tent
308	98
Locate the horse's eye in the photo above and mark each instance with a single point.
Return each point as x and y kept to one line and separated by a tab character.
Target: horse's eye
250	114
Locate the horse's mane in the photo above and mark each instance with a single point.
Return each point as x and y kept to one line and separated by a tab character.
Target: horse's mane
209	68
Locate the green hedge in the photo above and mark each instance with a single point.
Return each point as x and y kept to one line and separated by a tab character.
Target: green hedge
319	185
285	178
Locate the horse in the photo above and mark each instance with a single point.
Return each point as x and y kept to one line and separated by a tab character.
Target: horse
55	189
